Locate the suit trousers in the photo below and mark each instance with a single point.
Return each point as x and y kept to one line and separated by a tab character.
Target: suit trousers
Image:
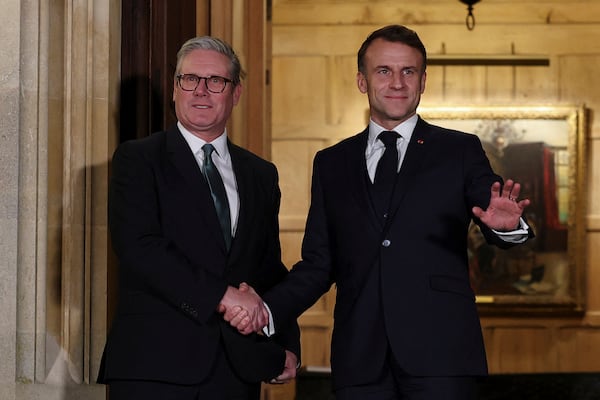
222	384
396	384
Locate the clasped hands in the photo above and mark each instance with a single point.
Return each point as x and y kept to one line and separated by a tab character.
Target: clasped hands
244	309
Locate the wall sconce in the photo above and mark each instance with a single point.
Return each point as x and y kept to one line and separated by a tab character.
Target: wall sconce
470	20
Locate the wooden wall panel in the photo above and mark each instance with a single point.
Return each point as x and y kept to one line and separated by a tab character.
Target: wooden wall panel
291	240
434	85
578	347
279	392
315	345
294	162
593	275
576	74
348	106
465	84
500	84
477	84
303	82
440	39
319	12
520	349
537	84
303	40
593	196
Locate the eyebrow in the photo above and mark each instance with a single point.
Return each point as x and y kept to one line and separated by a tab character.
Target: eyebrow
402	68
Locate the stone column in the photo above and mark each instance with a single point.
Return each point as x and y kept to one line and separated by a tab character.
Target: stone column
59	76
9	192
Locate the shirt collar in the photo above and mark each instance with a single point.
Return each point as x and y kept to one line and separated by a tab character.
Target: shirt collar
404	129
195	143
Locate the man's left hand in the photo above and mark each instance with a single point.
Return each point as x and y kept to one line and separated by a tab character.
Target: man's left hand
289	369
505	210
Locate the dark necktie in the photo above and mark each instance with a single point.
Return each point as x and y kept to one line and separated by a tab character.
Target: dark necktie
385	173
217	189
387	167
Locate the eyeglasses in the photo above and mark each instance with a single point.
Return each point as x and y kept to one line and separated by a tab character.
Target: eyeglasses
214	84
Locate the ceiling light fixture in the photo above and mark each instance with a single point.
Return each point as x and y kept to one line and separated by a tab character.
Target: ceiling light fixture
470	20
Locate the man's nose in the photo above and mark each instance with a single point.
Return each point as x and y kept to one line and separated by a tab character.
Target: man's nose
201	89
397	80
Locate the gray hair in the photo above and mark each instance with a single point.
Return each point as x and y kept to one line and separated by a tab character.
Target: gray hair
212	43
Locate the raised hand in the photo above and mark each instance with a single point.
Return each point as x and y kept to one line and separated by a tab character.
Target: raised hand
244	309
504	210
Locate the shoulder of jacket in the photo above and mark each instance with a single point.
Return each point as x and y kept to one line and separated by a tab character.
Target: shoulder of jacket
253	160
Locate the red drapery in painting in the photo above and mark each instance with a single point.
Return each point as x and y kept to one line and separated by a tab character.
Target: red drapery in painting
550	192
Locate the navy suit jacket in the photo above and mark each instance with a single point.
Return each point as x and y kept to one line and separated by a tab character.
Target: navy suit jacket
174	269
403	280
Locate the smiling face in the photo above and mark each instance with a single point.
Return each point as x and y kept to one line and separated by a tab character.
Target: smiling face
393	79
203	113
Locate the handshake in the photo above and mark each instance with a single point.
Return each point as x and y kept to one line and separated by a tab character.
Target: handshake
244	309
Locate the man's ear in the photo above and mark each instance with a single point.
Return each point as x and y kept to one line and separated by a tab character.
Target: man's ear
237	93
361	82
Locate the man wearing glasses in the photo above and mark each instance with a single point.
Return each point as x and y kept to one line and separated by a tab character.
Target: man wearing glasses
194	222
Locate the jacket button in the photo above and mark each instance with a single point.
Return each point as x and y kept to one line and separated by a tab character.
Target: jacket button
386	243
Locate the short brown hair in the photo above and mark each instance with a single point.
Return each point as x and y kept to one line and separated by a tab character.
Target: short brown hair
392	33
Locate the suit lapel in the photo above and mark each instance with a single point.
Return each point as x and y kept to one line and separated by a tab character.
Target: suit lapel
243	178
415	154
181	157
356	165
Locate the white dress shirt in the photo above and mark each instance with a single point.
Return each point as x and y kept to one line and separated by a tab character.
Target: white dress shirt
222	160
375	147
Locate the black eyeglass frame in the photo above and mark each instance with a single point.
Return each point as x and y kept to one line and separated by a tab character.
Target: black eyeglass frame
205	78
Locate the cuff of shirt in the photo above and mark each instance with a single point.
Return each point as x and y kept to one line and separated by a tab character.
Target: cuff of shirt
519	235
269	330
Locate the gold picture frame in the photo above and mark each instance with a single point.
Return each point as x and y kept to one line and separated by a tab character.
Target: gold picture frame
544	149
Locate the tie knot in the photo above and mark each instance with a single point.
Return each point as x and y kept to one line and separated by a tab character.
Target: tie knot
208	149
388	138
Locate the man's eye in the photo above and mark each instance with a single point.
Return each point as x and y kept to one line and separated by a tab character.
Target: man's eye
190	78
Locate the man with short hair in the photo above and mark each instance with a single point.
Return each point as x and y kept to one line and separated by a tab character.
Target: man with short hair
388	221
192	218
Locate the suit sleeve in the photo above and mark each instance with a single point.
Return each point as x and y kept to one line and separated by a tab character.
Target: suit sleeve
480	178
150	261
287	335
311	277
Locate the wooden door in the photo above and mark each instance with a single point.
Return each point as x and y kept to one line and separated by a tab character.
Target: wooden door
152	32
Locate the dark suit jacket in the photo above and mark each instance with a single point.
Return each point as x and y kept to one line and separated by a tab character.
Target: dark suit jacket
404	280
174	268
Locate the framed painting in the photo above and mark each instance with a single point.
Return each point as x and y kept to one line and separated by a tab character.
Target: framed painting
542	148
